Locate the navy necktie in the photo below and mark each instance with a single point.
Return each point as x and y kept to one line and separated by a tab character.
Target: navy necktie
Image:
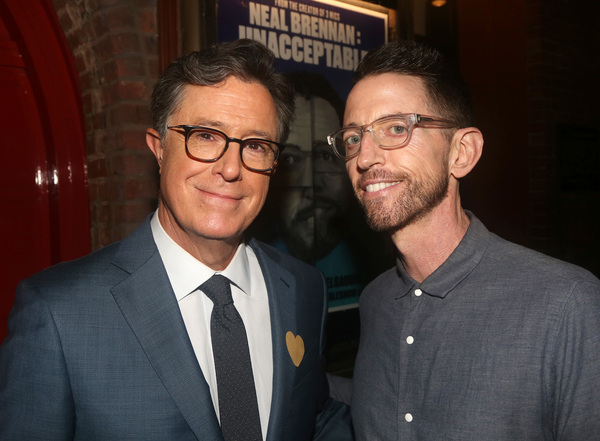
238	407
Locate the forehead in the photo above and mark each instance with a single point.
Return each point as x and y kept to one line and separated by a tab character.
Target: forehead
233	104
376	96
315	118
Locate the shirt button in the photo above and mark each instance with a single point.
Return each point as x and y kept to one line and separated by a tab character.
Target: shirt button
410	340
408	417
418	292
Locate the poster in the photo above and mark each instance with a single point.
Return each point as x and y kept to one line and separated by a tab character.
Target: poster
326	37
311	211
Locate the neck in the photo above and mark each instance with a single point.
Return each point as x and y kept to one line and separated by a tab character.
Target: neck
215	253
426	244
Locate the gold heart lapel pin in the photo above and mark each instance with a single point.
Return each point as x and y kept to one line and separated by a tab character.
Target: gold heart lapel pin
295	346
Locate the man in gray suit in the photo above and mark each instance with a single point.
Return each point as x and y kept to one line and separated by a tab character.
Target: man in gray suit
183	330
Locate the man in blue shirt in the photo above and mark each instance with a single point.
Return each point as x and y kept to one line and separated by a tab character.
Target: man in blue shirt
469	337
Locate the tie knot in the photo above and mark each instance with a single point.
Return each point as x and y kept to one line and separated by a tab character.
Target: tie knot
218	289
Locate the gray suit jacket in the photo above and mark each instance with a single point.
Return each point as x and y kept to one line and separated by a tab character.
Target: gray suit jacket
97	350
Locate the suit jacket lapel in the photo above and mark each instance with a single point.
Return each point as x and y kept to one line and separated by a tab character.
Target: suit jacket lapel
281	288
151	310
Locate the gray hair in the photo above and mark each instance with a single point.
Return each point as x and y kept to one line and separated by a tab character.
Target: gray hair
246	60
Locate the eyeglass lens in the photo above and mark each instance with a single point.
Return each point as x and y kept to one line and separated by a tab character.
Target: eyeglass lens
386	133
208	145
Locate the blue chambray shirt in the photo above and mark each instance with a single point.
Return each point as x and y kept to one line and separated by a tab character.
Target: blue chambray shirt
500	343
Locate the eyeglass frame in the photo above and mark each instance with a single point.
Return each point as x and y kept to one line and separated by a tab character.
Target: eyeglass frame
187	129
413	119
305	154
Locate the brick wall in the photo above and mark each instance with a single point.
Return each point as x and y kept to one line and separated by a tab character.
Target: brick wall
114	43
566	70
533	67
493	53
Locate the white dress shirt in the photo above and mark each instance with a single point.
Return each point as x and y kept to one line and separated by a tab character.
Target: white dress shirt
249	292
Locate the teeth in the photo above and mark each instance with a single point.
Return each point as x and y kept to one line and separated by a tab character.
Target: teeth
380	186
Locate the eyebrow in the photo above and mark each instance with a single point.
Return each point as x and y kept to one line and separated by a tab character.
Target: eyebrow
219	125
387	115
320	143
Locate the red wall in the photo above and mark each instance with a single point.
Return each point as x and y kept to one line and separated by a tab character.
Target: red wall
43	188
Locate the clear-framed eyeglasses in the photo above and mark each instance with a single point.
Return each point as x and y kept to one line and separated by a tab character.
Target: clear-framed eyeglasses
209	145
390	132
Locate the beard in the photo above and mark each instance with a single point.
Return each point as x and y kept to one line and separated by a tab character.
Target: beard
313	227
418	199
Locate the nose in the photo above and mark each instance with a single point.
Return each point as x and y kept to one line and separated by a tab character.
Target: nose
230	164
306	175
370	153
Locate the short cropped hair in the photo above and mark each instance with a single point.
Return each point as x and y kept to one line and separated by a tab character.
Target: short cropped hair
309	84
247	60
447	92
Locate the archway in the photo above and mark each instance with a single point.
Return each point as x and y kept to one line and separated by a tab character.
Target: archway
43	185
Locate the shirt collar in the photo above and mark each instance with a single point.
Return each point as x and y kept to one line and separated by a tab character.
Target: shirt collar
186	273
465	257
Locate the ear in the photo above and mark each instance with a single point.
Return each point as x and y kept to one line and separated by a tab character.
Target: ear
154	143
467	147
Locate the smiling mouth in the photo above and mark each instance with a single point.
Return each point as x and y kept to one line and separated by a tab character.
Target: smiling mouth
221	196
380	186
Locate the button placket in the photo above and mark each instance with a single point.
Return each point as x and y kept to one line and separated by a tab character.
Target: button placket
417	301
410	339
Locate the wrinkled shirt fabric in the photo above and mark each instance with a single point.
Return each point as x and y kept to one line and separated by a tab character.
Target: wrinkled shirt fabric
500	343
